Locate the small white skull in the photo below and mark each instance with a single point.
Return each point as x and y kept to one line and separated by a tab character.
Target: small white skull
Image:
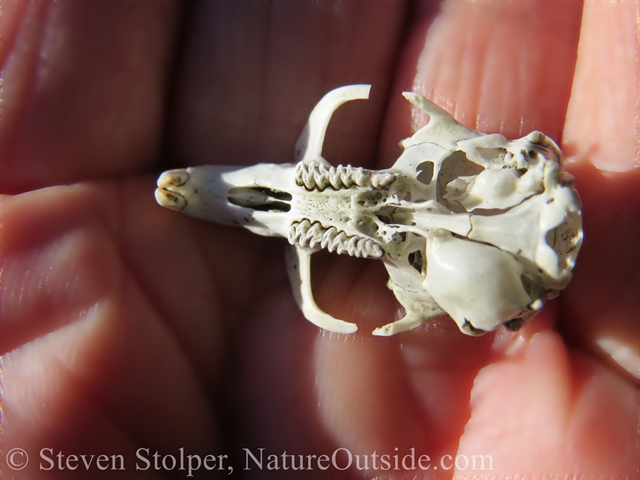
474	225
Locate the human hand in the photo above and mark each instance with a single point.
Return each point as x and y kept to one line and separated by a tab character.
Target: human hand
125	326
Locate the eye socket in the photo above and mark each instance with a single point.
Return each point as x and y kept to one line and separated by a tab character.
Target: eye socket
455	165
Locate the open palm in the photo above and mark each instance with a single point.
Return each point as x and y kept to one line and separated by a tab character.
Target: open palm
125	326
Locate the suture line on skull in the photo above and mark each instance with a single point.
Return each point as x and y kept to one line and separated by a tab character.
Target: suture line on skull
312	234
318	176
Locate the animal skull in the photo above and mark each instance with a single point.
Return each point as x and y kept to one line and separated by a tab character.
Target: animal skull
474	225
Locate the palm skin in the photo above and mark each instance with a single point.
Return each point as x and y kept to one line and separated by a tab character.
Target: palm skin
127	326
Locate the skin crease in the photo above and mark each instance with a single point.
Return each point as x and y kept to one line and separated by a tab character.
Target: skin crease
127	326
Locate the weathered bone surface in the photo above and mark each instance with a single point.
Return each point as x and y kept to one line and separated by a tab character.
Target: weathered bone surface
474	225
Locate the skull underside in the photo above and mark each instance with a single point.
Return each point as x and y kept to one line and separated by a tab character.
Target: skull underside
473	225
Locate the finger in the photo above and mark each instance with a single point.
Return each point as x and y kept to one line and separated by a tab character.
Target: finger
601	305
488	64
571	414
106	313
83	89
601	123
254	71
77	243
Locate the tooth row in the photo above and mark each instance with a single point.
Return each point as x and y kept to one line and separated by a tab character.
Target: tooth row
318	176
312	234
